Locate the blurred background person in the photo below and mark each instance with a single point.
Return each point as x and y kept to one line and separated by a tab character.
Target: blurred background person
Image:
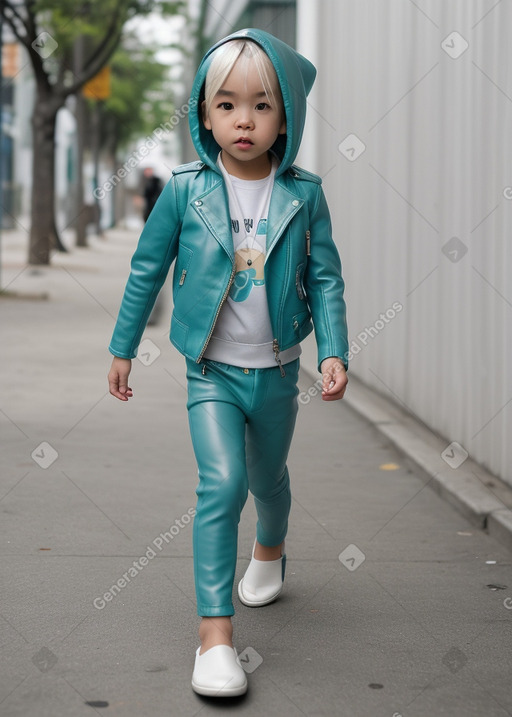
153	186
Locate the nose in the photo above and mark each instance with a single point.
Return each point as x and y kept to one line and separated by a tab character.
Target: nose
244	121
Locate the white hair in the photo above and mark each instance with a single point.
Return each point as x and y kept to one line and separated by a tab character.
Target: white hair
224	59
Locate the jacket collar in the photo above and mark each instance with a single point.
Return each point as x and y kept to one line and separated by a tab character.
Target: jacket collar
213	208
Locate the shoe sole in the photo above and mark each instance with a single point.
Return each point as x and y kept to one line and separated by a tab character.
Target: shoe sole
258	603
222	692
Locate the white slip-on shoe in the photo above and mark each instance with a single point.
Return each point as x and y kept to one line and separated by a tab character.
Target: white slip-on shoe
263	580
218	673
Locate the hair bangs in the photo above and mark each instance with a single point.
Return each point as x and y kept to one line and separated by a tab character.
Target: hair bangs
224	59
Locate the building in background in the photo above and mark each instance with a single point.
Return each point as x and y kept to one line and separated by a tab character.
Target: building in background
224	16
17	93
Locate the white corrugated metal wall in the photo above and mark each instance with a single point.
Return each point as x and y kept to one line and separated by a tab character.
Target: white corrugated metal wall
422	216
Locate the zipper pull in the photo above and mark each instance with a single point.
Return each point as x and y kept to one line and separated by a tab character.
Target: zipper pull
308	242
275	347
182	277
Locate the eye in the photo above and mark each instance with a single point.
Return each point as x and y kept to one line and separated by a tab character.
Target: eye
262	106
225	106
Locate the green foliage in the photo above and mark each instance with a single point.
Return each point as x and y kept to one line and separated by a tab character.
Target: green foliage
66	20
141	95
86	32
90	34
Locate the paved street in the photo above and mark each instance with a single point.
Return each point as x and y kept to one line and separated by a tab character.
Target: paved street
394	604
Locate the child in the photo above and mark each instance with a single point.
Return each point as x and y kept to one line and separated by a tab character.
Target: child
256	267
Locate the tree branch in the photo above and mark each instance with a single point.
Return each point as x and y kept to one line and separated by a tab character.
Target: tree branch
94	65
27	40
100	54
115	27
9	6
31	19
12	24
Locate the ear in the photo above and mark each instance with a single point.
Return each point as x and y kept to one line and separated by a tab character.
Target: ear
282	128
206	118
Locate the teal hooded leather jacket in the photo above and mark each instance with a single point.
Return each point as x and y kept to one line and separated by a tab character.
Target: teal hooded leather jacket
190	224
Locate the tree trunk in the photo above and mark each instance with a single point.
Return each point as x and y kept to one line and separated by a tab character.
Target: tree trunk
43	233
96	145
81	219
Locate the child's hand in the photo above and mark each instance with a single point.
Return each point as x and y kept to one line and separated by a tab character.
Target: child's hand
118	378
334	379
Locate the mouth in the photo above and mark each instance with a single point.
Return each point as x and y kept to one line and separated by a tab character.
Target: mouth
243	142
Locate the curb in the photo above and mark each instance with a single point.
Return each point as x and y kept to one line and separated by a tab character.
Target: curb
482	498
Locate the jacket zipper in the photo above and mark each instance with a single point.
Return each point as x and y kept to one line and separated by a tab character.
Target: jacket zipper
275	346
225	296
308	242
182	277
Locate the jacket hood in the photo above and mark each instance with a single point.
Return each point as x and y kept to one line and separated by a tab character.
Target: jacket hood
296	76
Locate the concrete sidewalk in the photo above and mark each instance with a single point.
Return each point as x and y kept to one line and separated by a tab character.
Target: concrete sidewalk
394	602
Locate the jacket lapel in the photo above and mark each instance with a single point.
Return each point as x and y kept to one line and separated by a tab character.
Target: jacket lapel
212	207
284	205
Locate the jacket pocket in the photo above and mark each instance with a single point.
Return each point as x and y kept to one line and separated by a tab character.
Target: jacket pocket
182	263
299	320
179	333
299	281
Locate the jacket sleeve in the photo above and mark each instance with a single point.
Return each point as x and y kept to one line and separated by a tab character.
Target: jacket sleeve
325	286
156	250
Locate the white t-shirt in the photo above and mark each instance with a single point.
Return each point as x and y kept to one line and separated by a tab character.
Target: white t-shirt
243	333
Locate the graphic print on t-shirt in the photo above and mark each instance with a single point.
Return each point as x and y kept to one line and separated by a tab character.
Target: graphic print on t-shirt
249	260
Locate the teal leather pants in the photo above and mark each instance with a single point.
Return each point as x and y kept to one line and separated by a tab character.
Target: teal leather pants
241	424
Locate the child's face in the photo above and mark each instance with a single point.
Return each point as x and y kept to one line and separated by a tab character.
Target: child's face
245	122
